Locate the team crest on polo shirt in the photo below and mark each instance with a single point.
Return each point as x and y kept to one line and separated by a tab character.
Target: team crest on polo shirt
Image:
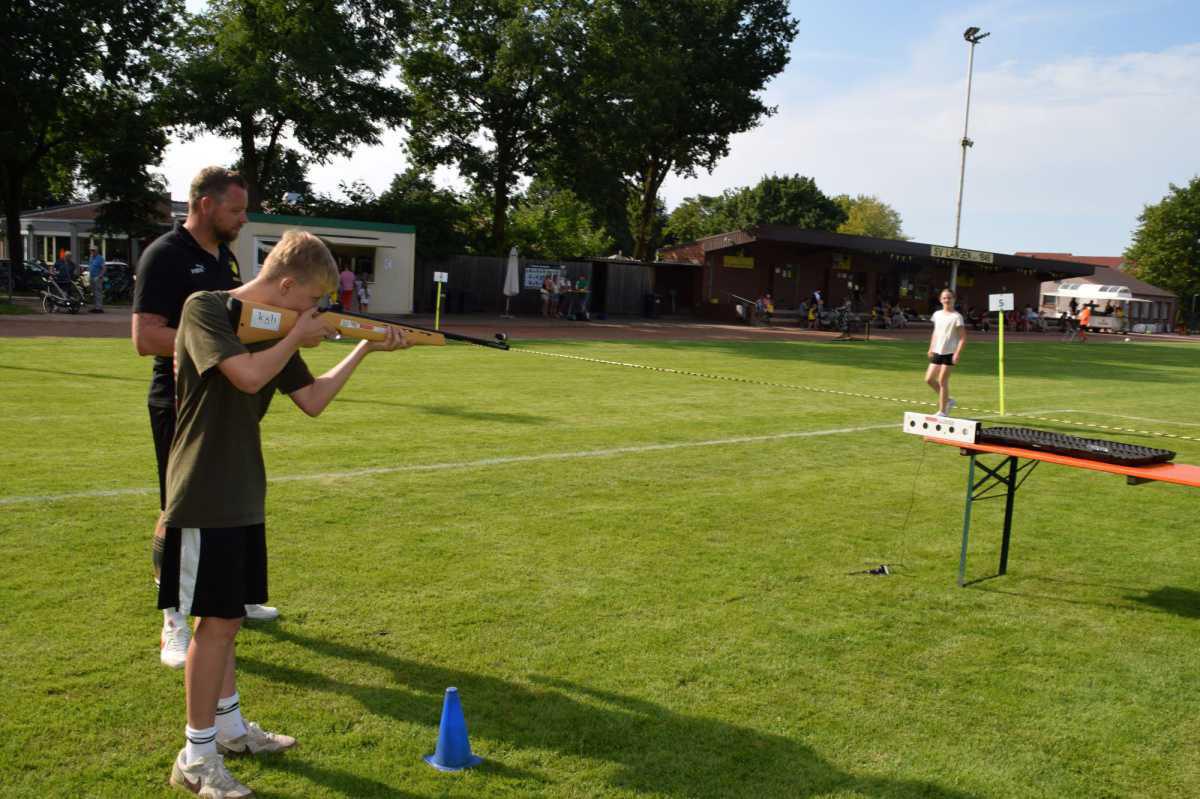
198	269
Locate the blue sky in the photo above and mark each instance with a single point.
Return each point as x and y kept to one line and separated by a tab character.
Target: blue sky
1081	113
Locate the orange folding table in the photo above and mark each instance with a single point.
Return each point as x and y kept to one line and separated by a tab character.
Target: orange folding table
1004	478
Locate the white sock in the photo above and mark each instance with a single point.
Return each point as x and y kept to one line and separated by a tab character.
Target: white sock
173	617
229	718
200	743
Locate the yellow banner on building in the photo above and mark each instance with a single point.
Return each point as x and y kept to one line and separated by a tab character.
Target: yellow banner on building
739	261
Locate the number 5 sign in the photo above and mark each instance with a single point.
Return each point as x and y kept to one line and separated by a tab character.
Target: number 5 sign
1000	302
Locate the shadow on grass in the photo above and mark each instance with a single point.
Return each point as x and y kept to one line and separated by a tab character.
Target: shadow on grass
1183	602
453	411
92	375
334	780
1180	601
654	749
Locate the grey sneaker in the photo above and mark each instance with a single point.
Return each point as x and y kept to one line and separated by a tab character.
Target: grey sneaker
207	778
950	403
256	741
262	612
173	644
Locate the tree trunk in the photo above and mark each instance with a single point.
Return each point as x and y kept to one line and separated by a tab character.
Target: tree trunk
648	202
250	167
13	184
499	214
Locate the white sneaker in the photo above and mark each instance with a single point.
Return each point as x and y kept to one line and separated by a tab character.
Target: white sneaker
950	403
173	644
256	740
207	778
262	612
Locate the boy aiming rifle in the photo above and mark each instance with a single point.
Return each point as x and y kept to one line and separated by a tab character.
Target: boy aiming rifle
215	560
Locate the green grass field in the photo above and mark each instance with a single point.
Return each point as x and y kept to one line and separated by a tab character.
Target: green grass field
630	600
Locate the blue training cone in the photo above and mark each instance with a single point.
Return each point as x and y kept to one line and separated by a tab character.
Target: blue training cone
453	749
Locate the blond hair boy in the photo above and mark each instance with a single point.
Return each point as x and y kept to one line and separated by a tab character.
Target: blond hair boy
215	560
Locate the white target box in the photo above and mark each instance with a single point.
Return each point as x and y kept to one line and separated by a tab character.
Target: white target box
943	427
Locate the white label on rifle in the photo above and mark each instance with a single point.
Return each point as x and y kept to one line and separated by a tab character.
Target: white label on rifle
354	324
265	320
441	277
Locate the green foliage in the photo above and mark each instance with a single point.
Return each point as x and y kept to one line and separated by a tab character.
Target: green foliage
867	215
482	75
1166	244
68	65
657	87
445	222
550	222
290	176
312	70
697	217
792	200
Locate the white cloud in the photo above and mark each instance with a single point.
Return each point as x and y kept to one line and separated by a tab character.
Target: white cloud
1066	153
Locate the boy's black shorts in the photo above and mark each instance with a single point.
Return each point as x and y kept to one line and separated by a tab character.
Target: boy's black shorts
214	571
162	426
942	360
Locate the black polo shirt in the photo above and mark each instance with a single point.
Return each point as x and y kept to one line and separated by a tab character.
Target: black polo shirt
171	270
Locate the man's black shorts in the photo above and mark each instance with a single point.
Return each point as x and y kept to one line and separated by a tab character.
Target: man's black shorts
162	426
942	360
214	571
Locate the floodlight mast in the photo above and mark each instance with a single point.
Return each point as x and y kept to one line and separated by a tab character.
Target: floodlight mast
973	36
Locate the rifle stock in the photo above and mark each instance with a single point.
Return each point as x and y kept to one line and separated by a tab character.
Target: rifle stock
258	322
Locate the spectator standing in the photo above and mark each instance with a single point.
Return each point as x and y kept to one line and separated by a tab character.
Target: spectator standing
547	293
96	270
363	291
1085	318
346	287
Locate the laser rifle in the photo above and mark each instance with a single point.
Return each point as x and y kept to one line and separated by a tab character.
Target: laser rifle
258	322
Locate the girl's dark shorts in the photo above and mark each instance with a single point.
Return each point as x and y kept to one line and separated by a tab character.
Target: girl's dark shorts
942	360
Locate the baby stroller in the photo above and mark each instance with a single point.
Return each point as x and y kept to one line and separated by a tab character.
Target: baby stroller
60	296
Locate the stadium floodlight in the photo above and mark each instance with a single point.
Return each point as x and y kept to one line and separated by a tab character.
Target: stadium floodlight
974	37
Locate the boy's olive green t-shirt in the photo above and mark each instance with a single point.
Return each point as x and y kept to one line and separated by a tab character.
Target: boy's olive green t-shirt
215	472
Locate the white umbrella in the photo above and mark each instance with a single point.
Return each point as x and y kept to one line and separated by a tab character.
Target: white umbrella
512	283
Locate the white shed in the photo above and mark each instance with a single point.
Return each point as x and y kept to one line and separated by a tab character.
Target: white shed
383	253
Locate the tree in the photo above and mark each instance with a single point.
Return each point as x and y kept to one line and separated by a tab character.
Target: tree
697	217
482	74
64	62
867	215
263	71
791	200
290	176
659	87
1166	245
550	222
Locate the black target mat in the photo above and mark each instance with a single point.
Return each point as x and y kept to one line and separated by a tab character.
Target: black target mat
1073	446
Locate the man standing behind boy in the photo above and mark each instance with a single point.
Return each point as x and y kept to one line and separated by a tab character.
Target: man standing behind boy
215	560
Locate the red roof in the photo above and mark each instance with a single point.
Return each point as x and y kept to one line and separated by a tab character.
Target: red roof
1112	262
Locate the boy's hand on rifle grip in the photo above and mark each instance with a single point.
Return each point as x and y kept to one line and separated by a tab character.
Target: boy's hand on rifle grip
311	328
395	341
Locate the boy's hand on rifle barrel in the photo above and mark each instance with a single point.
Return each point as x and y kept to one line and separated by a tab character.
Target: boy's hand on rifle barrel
395	341
311	328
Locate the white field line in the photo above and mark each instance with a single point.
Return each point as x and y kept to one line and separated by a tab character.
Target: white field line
477	464
1133	418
